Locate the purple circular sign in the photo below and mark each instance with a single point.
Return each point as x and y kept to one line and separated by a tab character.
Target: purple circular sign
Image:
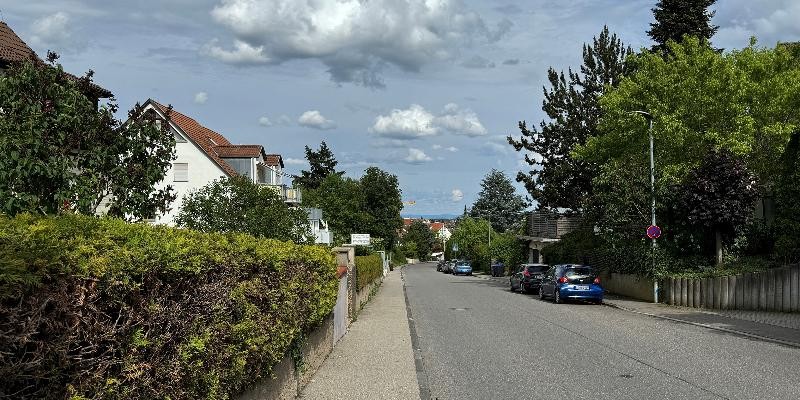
653	232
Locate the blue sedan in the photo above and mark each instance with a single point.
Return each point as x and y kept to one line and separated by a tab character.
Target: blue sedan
462	268
571	281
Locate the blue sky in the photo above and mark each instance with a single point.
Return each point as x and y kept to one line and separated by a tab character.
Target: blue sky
426	89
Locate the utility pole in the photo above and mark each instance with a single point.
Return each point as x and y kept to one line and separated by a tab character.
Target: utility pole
649	118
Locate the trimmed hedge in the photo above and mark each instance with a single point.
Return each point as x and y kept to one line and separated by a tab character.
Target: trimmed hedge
99	308
368	268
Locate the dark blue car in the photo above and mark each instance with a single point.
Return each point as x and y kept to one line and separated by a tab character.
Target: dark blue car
571	282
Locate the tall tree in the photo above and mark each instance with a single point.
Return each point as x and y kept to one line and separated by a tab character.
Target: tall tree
498	202
343	202
718	196
675	19
239	205
383	201
787	206
321	164
63	153
422	238
556	179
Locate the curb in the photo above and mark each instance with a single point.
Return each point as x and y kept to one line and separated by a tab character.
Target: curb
716	328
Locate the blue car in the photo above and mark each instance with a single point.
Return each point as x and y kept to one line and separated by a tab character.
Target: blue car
571	282
462	268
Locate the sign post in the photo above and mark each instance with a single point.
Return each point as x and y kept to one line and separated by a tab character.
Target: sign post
360	239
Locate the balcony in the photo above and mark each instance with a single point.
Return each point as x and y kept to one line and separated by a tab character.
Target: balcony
551	226
287	194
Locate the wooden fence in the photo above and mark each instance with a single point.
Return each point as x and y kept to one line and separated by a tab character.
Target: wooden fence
773	290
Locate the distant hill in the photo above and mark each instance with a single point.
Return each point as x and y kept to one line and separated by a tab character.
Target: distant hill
431	216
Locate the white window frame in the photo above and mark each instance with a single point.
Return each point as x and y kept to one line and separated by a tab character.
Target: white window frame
180	172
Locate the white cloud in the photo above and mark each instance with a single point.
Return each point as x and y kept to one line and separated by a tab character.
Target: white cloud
265	121
242	53
412	123
416	156
54	32
436	147
452	149
295	161
201	98
457	195
355	39
314	119
770	22
416	122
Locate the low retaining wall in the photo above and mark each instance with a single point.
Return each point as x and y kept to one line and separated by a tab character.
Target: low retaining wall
632	286
287	381
773	290
364	295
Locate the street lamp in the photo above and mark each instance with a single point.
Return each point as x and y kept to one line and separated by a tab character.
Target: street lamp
649	118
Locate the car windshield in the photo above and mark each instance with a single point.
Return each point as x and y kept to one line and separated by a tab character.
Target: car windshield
578	271
463	264
537	269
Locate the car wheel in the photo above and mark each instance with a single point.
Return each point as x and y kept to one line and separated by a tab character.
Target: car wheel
557	296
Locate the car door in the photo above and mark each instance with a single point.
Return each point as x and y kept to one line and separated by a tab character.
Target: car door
547	280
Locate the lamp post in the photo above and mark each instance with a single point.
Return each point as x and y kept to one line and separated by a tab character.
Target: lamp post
649	118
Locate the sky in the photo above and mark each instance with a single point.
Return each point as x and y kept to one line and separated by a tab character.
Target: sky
425	89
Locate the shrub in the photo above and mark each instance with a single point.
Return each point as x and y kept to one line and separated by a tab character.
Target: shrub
368	268
99	308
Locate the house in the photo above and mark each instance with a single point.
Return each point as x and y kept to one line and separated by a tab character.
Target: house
319	228
441	231
14	50
203	155
543	229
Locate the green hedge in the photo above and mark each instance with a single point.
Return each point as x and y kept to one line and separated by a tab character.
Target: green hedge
368	268
99	308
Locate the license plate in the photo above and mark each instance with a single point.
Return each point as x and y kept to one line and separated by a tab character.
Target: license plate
580	287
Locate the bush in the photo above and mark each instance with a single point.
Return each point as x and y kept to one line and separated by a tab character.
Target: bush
368	268
98	308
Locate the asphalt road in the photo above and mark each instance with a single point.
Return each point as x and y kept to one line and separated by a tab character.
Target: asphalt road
478	340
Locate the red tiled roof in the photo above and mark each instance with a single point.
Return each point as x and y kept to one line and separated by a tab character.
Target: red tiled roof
239	151
274	160
216	146
437	226
14	50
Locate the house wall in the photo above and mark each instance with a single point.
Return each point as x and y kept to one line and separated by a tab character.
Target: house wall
202	170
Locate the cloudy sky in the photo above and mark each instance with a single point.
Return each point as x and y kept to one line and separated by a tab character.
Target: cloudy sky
426	89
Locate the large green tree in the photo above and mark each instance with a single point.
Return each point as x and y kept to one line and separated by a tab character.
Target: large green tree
675	19
383	202
471	236
787	204
343	204
498	202
745	101
556	178
321	163
422	238
239	205
63	153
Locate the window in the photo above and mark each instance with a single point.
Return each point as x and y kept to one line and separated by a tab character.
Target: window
178	137
181	172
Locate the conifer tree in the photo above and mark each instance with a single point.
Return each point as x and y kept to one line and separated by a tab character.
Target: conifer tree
498	202
322	163
676	18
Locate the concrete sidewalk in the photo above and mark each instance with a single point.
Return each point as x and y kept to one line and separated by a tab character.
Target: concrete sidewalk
375	359
783	328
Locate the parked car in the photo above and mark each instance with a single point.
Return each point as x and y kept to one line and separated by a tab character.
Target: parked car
447	267
462	268
440	264
571	281
528	277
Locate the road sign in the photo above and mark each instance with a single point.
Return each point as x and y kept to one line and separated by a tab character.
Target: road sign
360	239
455	247
653	232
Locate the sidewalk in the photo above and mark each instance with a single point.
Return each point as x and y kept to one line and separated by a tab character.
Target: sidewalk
783	328
375	359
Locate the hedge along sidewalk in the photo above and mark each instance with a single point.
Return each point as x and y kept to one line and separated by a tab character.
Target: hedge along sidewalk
375	359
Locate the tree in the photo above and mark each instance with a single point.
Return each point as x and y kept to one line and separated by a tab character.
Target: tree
675	19
62	153
321	163
422	238
383	202
498	201
342	201
718	196
557	179
700	100
787	206
239	205
472	237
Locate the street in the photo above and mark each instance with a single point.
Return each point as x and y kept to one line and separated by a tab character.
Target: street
478	340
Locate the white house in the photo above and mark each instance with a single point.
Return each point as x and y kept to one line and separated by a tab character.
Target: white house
203	155
319	227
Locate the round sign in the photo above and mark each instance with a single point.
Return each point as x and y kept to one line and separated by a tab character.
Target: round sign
653	232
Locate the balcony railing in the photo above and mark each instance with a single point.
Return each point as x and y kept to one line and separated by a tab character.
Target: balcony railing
551	226
287	194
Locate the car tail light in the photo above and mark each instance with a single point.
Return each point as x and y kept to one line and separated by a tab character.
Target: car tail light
526	273
563	279
597	281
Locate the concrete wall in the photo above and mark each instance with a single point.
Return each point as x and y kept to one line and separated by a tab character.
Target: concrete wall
773	290
632	286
